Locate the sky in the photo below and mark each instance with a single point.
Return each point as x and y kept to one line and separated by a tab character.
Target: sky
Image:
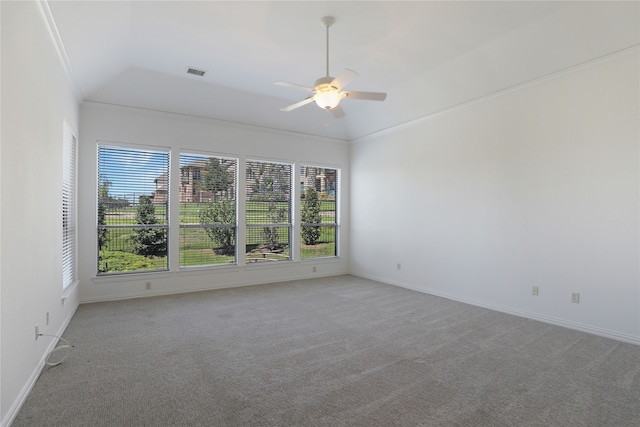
131	172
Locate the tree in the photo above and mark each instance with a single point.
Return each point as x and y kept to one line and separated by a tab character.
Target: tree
148	241
310	214
222	211
270	181
216	177
103	196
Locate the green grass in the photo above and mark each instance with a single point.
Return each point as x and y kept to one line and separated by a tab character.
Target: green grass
120	262
319	250
197	249
203	257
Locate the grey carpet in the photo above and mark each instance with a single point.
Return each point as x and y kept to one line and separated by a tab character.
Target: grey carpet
341	351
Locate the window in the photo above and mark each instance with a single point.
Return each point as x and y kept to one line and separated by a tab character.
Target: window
207	210
68	208
133	205
133	209
268	211
318	212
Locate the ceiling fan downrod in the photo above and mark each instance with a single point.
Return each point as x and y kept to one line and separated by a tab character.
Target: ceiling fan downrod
327	21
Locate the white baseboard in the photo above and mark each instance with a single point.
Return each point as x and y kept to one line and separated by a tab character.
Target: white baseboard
24	393
631	339
189	289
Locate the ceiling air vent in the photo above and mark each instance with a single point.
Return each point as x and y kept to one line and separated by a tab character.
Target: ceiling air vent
195	71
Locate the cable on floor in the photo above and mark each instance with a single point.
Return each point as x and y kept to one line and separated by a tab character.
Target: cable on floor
60	347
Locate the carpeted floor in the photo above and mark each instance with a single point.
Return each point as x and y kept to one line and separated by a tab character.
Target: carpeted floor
340	351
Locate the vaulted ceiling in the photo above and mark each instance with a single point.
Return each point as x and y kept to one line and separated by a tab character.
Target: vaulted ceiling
428	56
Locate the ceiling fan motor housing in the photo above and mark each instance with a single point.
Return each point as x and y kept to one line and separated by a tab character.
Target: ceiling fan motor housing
324	83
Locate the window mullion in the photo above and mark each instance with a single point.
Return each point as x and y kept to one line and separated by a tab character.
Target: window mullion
174	211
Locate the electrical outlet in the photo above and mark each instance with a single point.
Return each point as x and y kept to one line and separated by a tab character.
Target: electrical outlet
147	285
534	291
575	298
37	332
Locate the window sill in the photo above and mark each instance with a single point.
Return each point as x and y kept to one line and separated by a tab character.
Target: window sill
205	270
128	277
66	292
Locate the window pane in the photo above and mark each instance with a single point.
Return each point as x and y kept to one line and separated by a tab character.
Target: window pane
268	211
208	224
318	212
133	214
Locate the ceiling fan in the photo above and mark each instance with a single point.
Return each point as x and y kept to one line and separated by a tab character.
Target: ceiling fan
327	91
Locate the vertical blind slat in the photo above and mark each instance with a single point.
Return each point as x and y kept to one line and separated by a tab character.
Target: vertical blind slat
68	208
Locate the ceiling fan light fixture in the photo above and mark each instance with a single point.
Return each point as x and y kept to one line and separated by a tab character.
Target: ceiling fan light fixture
328	100
327	91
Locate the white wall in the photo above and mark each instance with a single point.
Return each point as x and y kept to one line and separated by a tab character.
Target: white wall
537	186
36	99
136	126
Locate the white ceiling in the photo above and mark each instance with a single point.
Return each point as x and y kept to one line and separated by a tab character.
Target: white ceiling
428	56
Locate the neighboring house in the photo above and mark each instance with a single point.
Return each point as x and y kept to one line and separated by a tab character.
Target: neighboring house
190	177
160	196
321	179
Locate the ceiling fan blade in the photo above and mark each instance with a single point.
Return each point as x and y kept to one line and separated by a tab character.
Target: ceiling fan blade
298	104
293	85
337	111
372	96
344	78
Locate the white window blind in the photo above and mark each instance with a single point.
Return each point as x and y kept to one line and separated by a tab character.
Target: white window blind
68	208
318	212
133	209
268	211
208	226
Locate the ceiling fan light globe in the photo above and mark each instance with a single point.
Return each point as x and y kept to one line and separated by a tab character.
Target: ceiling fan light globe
327	100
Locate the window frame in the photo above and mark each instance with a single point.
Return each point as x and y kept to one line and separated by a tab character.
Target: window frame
245	233
272	256
197	176
302	166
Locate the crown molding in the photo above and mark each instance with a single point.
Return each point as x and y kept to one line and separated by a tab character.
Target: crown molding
630	50
56	39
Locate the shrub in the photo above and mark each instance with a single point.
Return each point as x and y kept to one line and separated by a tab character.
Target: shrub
113	261
103	234
270	234
222	211
310	215
148	241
